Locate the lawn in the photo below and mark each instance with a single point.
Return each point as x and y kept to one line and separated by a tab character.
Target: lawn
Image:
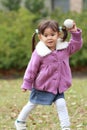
43	118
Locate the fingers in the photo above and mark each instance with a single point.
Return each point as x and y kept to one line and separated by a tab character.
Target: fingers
24	90
70	25
73	29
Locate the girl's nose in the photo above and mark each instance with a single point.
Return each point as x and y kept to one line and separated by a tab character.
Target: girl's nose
49	37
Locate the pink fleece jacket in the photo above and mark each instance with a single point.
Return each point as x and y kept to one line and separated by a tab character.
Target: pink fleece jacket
49	70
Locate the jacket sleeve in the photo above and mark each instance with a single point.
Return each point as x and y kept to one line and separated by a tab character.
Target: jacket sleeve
75	42
31	71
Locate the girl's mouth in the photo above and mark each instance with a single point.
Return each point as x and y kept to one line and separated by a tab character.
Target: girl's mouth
50	42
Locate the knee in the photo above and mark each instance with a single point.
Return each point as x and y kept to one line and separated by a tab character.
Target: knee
60	103
31	105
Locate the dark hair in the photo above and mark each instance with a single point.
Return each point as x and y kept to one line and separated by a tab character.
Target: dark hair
48	24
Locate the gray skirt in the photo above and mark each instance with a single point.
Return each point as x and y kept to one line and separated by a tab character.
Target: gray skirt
43	97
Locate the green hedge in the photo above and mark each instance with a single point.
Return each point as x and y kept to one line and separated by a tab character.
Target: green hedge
16	30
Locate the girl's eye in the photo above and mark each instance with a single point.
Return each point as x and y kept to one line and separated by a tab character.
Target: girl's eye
52	34
45	35
48	35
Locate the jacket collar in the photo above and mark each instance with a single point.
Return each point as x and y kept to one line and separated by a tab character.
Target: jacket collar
43	50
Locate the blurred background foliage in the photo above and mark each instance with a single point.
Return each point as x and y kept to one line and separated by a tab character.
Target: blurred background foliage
17	24
16	30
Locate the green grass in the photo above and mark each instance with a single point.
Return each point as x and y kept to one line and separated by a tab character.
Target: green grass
43	118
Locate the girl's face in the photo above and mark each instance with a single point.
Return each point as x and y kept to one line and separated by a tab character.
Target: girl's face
49	37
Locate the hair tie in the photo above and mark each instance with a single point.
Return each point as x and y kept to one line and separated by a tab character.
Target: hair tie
60	29
36	30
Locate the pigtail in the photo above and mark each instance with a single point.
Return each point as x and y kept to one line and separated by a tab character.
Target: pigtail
33	41
64	32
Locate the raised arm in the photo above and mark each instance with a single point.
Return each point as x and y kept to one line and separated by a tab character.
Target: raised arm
76	41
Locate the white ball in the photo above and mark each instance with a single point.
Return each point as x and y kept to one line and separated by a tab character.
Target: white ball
68	23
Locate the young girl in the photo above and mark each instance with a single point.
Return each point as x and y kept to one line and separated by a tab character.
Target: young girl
48	73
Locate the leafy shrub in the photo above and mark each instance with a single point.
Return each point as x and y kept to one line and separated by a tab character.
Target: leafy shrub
16	30
11	4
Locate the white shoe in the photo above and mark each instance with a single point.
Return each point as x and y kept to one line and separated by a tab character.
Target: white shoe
20	125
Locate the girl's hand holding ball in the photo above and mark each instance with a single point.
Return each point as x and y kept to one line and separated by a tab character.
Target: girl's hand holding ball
70	25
